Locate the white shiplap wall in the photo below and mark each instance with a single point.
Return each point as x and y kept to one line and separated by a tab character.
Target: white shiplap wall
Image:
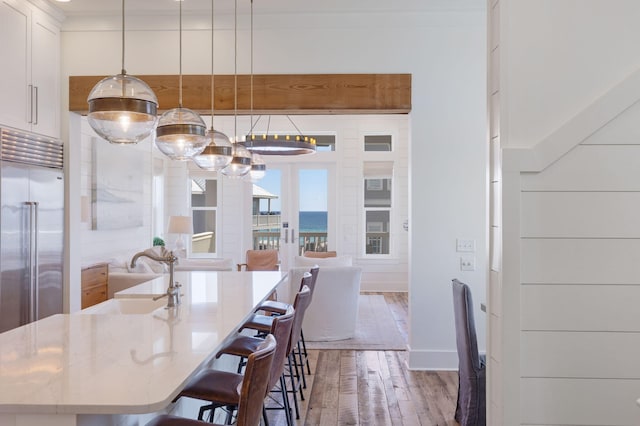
580	250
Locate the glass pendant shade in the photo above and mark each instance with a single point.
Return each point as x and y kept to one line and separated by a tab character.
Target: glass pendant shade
122	109
181	134
240	163
258	168
217	154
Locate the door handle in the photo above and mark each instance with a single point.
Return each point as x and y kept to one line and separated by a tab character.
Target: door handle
30	103
286	236
293	236
33	259
35	90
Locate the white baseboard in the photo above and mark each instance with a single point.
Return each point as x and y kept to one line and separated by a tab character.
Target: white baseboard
432	360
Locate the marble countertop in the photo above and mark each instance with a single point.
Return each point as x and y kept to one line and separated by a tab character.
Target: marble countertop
100	362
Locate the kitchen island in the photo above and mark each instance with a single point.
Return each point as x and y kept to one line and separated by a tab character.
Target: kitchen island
120	362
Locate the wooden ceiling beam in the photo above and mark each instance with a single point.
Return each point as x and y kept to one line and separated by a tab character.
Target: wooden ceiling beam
272	93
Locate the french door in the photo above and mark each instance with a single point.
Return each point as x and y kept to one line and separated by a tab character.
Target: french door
293	210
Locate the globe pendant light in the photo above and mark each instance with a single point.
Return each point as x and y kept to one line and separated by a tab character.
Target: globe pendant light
180	134
241	162
218	152
122	108
258	168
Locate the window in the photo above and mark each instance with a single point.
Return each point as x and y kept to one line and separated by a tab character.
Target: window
324	143
204	204
377	143
377	207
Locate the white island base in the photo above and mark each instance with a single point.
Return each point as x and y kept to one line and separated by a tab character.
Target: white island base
106	366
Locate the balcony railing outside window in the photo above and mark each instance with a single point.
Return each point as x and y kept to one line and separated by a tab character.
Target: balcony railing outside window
307	241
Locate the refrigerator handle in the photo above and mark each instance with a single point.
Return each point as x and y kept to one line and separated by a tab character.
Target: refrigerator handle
33	260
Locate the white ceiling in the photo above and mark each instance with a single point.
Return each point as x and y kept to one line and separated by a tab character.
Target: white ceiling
150	7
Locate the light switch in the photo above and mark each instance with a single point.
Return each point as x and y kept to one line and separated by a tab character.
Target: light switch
465	245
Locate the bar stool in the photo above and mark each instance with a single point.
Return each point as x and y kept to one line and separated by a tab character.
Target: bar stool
276	307
243	345
262	323
249	397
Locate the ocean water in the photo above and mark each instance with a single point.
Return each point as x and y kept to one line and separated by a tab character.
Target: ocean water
313	221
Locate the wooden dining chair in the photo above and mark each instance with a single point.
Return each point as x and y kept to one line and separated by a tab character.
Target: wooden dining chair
261	260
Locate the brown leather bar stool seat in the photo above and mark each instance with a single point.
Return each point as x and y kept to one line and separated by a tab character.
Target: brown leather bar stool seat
166	420
277	308
243	346
300	304
249	390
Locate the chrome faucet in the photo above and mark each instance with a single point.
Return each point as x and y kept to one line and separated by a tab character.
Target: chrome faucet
173	291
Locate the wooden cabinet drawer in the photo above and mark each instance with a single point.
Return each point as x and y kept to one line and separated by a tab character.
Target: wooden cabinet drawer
93	295
95	275
94	284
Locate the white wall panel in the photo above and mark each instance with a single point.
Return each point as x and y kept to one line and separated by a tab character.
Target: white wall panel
495	339
585	169
581	307
581	214
580	261
605	355
548	401
495	294
622	130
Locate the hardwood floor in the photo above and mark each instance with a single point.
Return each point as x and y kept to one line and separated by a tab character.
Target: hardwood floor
375	387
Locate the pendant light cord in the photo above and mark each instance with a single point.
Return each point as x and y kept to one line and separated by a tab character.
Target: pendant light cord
123	72
212	79
235	72
180	59
251	64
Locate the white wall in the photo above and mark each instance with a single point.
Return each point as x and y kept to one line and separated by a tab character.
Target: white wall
442	44
569	83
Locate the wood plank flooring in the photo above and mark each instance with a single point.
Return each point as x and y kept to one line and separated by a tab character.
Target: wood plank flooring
375	387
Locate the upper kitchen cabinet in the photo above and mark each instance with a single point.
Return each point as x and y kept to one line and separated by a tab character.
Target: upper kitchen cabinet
30	83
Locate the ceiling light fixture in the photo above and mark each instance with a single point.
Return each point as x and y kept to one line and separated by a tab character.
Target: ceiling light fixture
122	108
258	165
278	144
267	144
241	162
218	152
180	134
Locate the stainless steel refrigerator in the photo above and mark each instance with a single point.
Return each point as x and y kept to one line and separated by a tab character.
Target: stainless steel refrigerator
31	228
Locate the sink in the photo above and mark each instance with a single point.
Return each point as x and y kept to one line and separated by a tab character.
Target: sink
125	306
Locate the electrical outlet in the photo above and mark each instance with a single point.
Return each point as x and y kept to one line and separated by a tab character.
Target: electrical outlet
467	263
465	245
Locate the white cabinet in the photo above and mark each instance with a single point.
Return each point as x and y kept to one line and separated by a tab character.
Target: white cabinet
30	72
